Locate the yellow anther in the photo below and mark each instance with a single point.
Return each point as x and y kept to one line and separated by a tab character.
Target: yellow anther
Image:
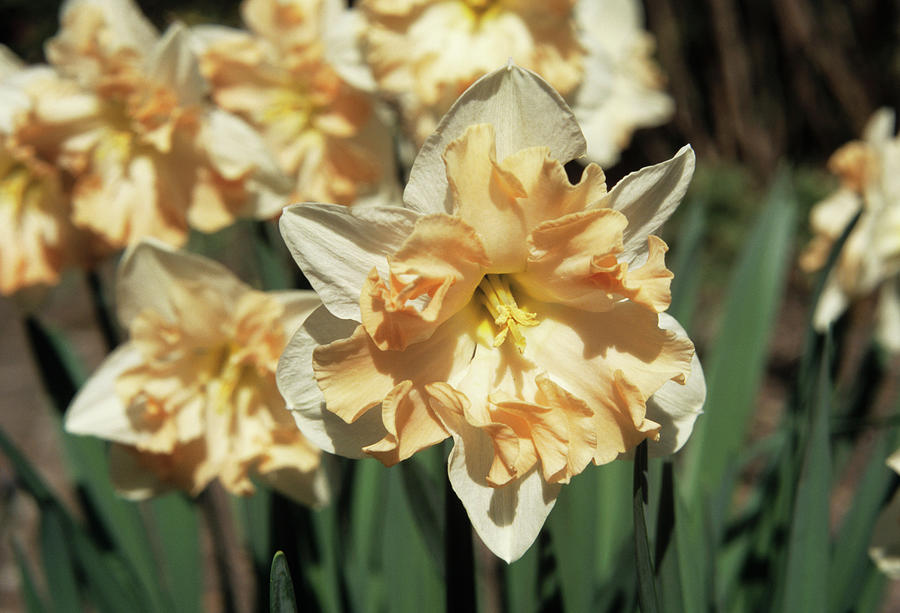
508	316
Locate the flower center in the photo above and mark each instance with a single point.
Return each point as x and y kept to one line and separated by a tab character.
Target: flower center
508	316
482	8
20	189
293	109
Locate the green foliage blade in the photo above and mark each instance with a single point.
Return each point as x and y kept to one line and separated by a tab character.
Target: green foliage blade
806	579
281	588
753	297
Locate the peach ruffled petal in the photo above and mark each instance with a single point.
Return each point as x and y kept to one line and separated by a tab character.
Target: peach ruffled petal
432	276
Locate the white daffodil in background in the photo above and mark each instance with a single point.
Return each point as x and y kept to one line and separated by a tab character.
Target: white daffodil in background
869	171
148	154
425	53
885	547
284	77
192	397
37	238
502	306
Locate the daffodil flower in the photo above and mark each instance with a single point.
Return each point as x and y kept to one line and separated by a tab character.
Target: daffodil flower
149	155
869	171
285	78
502	306
425	53
37	238
191	397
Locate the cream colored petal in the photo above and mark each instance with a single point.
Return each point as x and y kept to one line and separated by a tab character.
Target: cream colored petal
173	65
888	322
649	196
893	461
149	270
885	547
675	407
298	305
97	410
341	34
9	62
525	112
120	28
337	247
509	518
311	488
238	152
832	303
297	384
880	127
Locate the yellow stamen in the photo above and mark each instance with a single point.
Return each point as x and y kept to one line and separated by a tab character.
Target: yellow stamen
508	316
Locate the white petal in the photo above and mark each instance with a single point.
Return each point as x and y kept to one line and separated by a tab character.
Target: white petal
342	48
96	410
675	407
298	305
148	270
649	196
310	488
127	27
525	112
297	384
509	518
832	303
238	151
888	316
880	127
336	247
172	63
9	62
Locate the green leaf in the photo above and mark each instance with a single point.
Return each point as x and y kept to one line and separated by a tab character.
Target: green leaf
57	560
33	601
572	525
412	583
735	366
424	496
281	588
177	531
806	579
646	576
685	263
850	561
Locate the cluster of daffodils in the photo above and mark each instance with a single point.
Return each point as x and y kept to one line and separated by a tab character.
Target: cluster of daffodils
500	306
129	133
869	171
497	304
425	53
494	303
